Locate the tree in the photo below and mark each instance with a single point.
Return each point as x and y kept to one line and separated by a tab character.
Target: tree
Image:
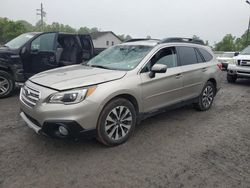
27	25
10	29
227	44
94	29
84	30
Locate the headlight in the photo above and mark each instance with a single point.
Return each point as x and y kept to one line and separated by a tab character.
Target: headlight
72	96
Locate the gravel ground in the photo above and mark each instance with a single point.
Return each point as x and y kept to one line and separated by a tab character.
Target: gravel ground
181	148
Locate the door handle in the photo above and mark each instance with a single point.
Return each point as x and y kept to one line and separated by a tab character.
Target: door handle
178	76
204	69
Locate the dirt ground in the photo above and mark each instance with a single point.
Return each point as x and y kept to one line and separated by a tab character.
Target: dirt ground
181	148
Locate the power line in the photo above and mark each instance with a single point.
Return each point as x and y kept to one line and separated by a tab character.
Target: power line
42	13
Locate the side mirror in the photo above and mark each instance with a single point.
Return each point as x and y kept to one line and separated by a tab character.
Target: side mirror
236	53
157	68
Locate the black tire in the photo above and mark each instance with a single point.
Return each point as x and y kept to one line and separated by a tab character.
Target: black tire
8	84
206	97
106	127
231	78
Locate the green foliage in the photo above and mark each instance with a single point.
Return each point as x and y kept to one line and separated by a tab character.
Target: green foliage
86	30
231	43
10	29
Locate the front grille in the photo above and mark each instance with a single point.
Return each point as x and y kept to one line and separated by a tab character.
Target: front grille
29	96
244	62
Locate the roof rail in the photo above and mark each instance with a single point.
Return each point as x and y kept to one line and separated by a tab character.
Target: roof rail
185	40
139	39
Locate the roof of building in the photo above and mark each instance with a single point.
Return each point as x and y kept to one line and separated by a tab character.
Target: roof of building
98	34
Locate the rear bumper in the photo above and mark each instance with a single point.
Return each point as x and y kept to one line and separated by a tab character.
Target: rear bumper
51	128
240	71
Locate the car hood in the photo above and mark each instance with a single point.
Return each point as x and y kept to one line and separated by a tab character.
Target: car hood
6	53
245	57
75	76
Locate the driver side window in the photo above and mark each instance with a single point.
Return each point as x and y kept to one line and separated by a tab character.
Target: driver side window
166	56
43	43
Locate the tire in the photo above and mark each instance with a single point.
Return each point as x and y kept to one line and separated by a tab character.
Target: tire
231	78
7	84
115	129
206	97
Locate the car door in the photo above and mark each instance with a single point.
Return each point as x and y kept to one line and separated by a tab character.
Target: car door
42	54
87	47
193	68
165	88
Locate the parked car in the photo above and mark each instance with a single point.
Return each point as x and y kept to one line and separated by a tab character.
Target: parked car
241	67
118	88
31	53
226	58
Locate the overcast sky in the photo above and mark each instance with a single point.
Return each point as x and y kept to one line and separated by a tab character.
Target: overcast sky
209	19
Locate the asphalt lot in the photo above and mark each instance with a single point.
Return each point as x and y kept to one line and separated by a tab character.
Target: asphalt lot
181	148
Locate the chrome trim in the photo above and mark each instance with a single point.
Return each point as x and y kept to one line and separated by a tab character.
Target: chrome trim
29	96
30	124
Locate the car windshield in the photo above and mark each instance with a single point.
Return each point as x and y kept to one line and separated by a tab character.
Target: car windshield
122	57
19	41
246	51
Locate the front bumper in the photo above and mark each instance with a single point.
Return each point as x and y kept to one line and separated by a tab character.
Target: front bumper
30	124
45	118
51	128
239	71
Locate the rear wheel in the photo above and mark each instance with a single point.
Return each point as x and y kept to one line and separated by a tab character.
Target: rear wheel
7	84
231	78
206	98
116	122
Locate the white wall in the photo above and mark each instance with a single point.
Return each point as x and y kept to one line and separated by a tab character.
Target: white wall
101	42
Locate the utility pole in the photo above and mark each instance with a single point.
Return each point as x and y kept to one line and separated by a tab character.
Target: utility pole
42	13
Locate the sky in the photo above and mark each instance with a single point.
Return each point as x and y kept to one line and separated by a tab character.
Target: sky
208	19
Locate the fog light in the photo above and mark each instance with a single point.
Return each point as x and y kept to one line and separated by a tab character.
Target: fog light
63	131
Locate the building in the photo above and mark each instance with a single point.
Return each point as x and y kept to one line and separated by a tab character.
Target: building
105	39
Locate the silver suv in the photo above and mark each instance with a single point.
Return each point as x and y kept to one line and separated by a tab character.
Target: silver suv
118	88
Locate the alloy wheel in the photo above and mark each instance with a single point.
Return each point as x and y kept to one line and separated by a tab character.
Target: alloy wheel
118	122
207	97
4	85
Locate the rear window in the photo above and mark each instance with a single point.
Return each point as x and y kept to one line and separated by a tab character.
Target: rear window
206	55
187	55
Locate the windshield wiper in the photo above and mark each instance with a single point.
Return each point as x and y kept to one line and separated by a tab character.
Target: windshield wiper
99	66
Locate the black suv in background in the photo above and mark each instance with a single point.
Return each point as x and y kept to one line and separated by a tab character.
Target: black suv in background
31	53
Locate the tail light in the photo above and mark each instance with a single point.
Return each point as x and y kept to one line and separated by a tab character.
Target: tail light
219	65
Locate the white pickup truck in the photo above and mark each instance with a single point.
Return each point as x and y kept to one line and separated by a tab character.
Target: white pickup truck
241	67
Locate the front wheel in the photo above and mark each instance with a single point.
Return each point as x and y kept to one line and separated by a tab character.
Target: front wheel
206	97
116	122
7	84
